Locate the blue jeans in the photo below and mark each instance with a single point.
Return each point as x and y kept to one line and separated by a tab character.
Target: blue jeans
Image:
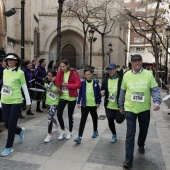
143	119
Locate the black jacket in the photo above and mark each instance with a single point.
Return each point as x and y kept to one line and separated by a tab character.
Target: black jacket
105	87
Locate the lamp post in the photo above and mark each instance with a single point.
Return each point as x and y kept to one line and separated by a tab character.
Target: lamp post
160	56
60	11
167	33
126	51
91	34
12	12
22	31
110	51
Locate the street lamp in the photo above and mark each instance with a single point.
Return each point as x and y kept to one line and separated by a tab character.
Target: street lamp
12	12
126	51
91	40
160	56
167	33
110	51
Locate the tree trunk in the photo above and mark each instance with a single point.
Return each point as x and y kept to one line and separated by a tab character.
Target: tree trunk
84	49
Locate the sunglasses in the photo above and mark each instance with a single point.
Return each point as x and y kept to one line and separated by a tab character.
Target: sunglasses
112	69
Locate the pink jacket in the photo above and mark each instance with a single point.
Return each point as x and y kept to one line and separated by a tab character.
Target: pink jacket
74	82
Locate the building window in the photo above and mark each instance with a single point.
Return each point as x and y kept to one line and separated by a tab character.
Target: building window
138	40
140	9
36	43
127	1
140	49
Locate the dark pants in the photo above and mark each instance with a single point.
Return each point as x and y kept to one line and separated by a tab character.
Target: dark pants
113	115
61	106
38	102
11	114
143	119
84	114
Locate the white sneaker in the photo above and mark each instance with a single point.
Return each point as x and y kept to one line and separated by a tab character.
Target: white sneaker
62	135
69	135
48	138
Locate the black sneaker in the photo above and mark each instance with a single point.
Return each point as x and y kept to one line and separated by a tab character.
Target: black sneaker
44	107
30	113
39	110
127	164
141	150
21	116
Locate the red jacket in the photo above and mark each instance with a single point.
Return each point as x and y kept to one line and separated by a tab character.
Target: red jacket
74	82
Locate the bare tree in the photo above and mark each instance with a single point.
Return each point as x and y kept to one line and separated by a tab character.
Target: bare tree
150	25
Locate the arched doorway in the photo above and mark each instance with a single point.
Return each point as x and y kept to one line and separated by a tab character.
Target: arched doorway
69	53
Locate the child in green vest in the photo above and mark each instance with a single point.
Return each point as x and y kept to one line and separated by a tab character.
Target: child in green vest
89	100
52	99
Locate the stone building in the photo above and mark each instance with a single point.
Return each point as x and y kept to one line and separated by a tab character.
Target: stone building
41	32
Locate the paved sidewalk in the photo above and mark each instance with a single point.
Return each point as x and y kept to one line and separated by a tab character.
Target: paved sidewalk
91	154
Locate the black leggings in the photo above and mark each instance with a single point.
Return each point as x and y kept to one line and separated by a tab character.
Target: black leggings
61	105
11	114
84	113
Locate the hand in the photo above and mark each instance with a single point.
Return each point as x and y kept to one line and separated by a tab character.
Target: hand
43	79
79	106
97	105
64	84
27	107
102	92
122	111
156	107
53	79
56	91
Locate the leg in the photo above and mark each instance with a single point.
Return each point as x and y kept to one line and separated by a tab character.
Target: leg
143	119
110	118
130	135
84	114
61	106
93	112
71	106
11	121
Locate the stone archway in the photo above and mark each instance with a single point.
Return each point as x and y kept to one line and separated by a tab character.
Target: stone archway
69	52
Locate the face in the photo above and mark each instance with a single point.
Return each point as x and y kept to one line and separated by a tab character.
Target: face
11	63
88	75
3	63
64	67
43	64
34	62
112	72
54	64
136	64
50	76
29	66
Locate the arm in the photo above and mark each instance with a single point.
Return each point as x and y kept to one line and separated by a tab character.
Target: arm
79	96
98	94
122	99
77	83
155	93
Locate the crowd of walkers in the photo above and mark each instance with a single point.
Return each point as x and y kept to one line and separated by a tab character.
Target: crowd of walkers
127	95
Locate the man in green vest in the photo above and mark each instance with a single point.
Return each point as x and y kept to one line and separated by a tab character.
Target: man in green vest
137	87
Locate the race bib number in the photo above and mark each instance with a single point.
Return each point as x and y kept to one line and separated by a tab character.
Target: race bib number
52	95
138	97
112	98
64	89
6	90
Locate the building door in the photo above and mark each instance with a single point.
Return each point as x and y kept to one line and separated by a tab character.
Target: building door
69	53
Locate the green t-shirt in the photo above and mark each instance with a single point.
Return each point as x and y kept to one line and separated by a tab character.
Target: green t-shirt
65	93
90	99
51	97
11	90
112	88
138	95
